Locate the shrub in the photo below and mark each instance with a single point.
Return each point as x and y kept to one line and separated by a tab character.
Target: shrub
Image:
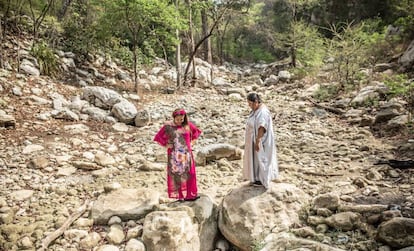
326	92
353	47
46	58
399	85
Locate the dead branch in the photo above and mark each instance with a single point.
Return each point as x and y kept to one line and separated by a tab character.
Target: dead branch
328	108
53	236
322	174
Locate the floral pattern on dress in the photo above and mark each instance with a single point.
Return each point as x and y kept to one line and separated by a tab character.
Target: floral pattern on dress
179	160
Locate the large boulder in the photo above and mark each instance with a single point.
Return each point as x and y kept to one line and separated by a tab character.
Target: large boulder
216	152
407	59
182	226
170	230
101	97
397	232
248	214
128	204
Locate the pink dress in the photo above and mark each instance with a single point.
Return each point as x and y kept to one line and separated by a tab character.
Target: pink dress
181	175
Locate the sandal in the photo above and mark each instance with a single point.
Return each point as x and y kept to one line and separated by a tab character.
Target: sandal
192	199
257	184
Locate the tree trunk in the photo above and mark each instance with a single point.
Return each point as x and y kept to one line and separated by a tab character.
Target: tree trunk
178	53
178	58
190	20
1	44
207	45
135	58
220	41
65	7
195	47
219	48
293	47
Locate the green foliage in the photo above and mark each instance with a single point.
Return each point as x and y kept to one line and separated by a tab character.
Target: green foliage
122	53
352	47
299	73
398	84
80	30
407	25
401	14
248	37
368	102
310	46
147	24
326	92
247	51
293	35
46	58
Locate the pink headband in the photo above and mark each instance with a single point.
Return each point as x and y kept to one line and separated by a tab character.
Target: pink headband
179	112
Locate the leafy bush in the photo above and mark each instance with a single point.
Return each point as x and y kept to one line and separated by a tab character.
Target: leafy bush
401	15
117	49
353	47
310	46
326	92
80	33
251	46
400	85
406	24
46	58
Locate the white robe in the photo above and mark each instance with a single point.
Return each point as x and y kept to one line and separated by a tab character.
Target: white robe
262	165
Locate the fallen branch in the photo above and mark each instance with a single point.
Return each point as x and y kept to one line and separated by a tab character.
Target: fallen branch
53	236
401	164
328	108
322	174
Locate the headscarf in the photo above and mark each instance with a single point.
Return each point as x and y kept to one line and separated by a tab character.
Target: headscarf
179	112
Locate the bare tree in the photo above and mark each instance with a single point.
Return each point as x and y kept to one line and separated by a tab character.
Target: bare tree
209	32
37	21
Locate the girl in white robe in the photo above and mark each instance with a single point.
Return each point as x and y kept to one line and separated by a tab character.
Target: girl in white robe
260	165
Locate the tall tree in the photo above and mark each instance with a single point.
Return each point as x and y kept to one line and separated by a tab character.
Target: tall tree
145	23
296	6
219	11
80	28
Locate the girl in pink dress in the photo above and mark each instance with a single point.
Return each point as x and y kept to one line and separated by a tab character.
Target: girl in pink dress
178	136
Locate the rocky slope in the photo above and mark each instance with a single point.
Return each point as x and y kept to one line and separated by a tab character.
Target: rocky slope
50	166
